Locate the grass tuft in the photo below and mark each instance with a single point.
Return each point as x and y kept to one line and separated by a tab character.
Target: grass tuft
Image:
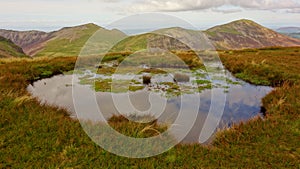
22	100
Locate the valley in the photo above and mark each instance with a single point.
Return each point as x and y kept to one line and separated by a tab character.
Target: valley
9	50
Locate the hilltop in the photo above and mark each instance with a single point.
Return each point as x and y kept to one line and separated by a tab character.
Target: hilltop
244	34
67	41
8	49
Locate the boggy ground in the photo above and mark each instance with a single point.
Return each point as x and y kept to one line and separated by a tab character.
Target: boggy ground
40	136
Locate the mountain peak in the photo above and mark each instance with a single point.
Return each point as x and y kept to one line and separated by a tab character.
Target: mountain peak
84	26
90	25
245	33
244	22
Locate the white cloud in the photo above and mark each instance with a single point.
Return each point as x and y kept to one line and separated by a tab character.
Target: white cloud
106	1
294	10
226	10
189	5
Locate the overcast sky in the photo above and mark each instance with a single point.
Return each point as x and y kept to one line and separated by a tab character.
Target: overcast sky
53	14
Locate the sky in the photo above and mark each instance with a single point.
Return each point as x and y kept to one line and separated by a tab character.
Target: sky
48	15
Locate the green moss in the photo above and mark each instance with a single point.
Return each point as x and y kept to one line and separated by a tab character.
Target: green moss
199	81
204	87
154	71
136	88
106	70
116	86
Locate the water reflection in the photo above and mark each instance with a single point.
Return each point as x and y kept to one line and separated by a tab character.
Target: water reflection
243	103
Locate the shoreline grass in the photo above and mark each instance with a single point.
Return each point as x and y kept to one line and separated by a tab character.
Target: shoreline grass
40	136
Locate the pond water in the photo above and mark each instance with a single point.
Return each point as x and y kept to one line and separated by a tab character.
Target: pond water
243	101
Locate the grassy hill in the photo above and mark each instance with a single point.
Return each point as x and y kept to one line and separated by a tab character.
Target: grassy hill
155	49
64	42
68	41
166	39
244	34
240	34
8	49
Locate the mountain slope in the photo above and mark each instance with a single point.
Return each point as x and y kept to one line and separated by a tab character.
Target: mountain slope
25	39
64	42
8	49
174	38
243	34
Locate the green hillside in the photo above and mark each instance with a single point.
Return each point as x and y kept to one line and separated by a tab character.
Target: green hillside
154	49
132	43
8	49
68	41
165	39
245	34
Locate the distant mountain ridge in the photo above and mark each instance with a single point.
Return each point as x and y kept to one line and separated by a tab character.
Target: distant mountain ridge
243	34
293	32
288	30
294	35
8	49
67	41
240	34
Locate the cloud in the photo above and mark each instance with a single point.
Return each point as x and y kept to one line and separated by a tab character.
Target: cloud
225	11
267	4
295	10
194	5
107	1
